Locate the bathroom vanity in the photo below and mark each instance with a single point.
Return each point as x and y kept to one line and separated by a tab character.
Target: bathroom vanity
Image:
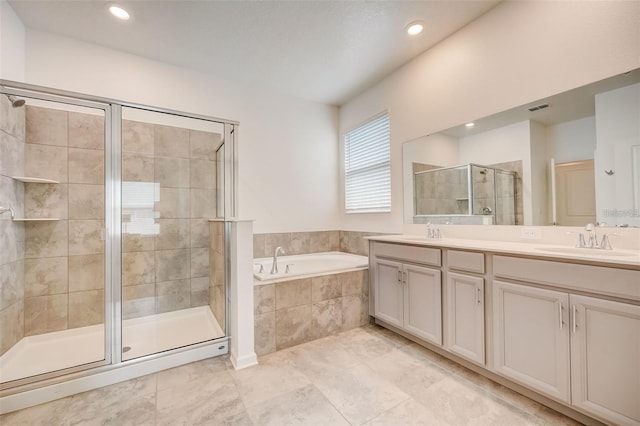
557	324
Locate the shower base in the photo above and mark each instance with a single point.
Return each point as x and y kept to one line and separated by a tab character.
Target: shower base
57	350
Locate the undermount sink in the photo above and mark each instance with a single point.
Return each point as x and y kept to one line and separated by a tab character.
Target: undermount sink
586	251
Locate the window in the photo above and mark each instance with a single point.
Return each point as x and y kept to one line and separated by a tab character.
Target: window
367	161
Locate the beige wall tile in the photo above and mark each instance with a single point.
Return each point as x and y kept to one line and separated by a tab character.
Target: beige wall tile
85	237
138	268
199	291
204	144
272	241
137	167
172	264
135	242
173	295
199	233
11	326
326	287
265	333
46	162
203	203
171	142
12	288
293	326
258	246
86	131
264	298
203	174
12	120
86	272
174	203
293	293
353	283
138	301
86	308
86	166
42	200
46	126
12	241
86	201
351	312
326	318
299	243
199	262
137	137
43	314
217	303
174	234
172	172
46	276
12	155
46	239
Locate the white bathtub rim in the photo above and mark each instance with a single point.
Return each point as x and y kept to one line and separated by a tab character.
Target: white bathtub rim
257	282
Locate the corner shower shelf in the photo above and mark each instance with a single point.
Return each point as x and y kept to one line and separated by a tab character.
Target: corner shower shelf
35	219
28	179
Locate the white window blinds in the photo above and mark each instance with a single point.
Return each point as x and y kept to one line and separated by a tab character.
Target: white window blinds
368	167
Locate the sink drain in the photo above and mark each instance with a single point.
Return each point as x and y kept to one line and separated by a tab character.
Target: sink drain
126	349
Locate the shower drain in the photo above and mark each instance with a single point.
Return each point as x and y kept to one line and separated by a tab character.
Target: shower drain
126	349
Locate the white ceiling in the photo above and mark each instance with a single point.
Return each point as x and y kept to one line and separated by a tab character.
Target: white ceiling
324	51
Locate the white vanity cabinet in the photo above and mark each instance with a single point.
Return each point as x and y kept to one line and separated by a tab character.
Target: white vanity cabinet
408	295
531	337
605	358
582	350
465	305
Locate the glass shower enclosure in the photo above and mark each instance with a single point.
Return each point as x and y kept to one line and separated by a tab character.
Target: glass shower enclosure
113	248
471	192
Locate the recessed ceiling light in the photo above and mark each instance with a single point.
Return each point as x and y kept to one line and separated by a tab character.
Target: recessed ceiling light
119	13
415	28
470	124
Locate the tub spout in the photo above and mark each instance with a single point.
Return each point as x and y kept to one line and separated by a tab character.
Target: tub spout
274	266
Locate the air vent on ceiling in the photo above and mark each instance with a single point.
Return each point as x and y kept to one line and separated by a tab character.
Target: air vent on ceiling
537	107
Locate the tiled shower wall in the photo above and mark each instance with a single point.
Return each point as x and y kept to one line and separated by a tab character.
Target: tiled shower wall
170	271
11	233
216	279
54	270
64	265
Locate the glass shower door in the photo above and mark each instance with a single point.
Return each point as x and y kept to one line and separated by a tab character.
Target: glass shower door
53	296
171	194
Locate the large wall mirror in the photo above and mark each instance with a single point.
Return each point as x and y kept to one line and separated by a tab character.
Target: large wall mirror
569	159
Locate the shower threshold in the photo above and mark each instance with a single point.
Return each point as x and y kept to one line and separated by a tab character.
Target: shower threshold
57	350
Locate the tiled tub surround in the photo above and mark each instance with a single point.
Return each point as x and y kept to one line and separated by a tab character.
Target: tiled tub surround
12	247
289	313
171	270
311	242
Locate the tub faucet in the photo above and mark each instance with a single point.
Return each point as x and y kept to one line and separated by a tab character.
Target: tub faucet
274	266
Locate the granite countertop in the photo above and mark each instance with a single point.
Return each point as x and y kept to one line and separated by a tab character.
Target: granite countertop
539	249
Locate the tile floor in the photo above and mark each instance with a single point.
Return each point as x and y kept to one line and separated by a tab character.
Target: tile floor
365	376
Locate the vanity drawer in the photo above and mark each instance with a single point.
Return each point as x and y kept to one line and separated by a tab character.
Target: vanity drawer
466	261
615	282
424	255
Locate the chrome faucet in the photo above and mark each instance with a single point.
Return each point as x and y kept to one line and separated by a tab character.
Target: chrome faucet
274	266
592	241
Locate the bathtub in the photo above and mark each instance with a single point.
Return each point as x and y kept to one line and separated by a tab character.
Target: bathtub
307	265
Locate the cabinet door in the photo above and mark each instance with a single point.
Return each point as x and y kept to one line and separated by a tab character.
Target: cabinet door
531	337
388	300
465	316
423	302
605	359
